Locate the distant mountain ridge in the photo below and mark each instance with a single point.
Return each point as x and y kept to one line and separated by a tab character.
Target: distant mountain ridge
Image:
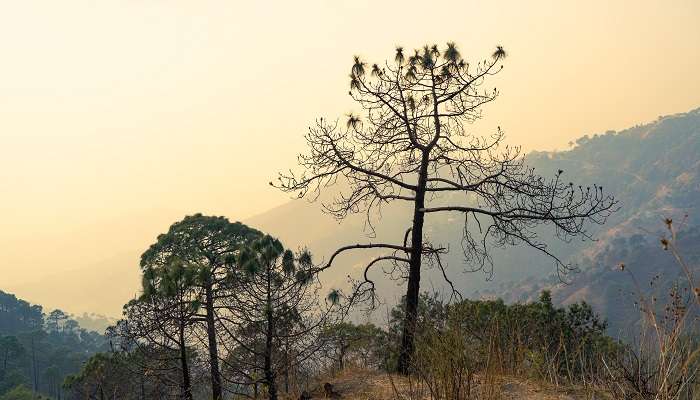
653	169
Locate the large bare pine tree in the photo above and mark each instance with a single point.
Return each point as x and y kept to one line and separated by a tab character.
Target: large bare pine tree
411	144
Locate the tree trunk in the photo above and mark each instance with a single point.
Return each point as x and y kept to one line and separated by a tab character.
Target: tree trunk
186	385
413	289
143	386
286	367
4	363
269	373
216	391
34	369
341	358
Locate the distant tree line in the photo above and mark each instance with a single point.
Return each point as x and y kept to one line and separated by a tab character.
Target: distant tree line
38	350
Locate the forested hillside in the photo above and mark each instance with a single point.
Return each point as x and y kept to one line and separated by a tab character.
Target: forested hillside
654	170
652	185
39	350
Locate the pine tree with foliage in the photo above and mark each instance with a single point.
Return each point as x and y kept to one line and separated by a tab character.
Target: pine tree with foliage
276	313
210	244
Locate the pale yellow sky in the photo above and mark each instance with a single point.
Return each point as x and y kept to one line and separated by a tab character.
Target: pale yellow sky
119	117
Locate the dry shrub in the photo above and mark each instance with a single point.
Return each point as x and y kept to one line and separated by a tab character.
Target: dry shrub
664	364
446	362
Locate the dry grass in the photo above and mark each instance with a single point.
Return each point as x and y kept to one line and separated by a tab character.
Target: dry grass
665	364
362	384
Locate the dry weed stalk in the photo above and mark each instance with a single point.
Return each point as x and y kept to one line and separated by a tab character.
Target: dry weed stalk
665	365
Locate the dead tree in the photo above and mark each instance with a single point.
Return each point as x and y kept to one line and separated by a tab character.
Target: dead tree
412	145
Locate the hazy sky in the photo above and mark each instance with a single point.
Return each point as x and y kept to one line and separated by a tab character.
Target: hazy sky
119	117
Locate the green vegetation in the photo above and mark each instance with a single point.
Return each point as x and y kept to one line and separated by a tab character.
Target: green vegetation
38	351
21	393
534	340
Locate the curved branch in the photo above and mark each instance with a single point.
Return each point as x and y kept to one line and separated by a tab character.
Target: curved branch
360	246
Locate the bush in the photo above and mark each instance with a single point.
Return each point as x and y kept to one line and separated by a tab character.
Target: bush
537	340
21	393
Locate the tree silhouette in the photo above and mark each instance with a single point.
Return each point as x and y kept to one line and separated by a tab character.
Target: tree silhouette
411	145
10	351
365	344
210	244
276	313
173	298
